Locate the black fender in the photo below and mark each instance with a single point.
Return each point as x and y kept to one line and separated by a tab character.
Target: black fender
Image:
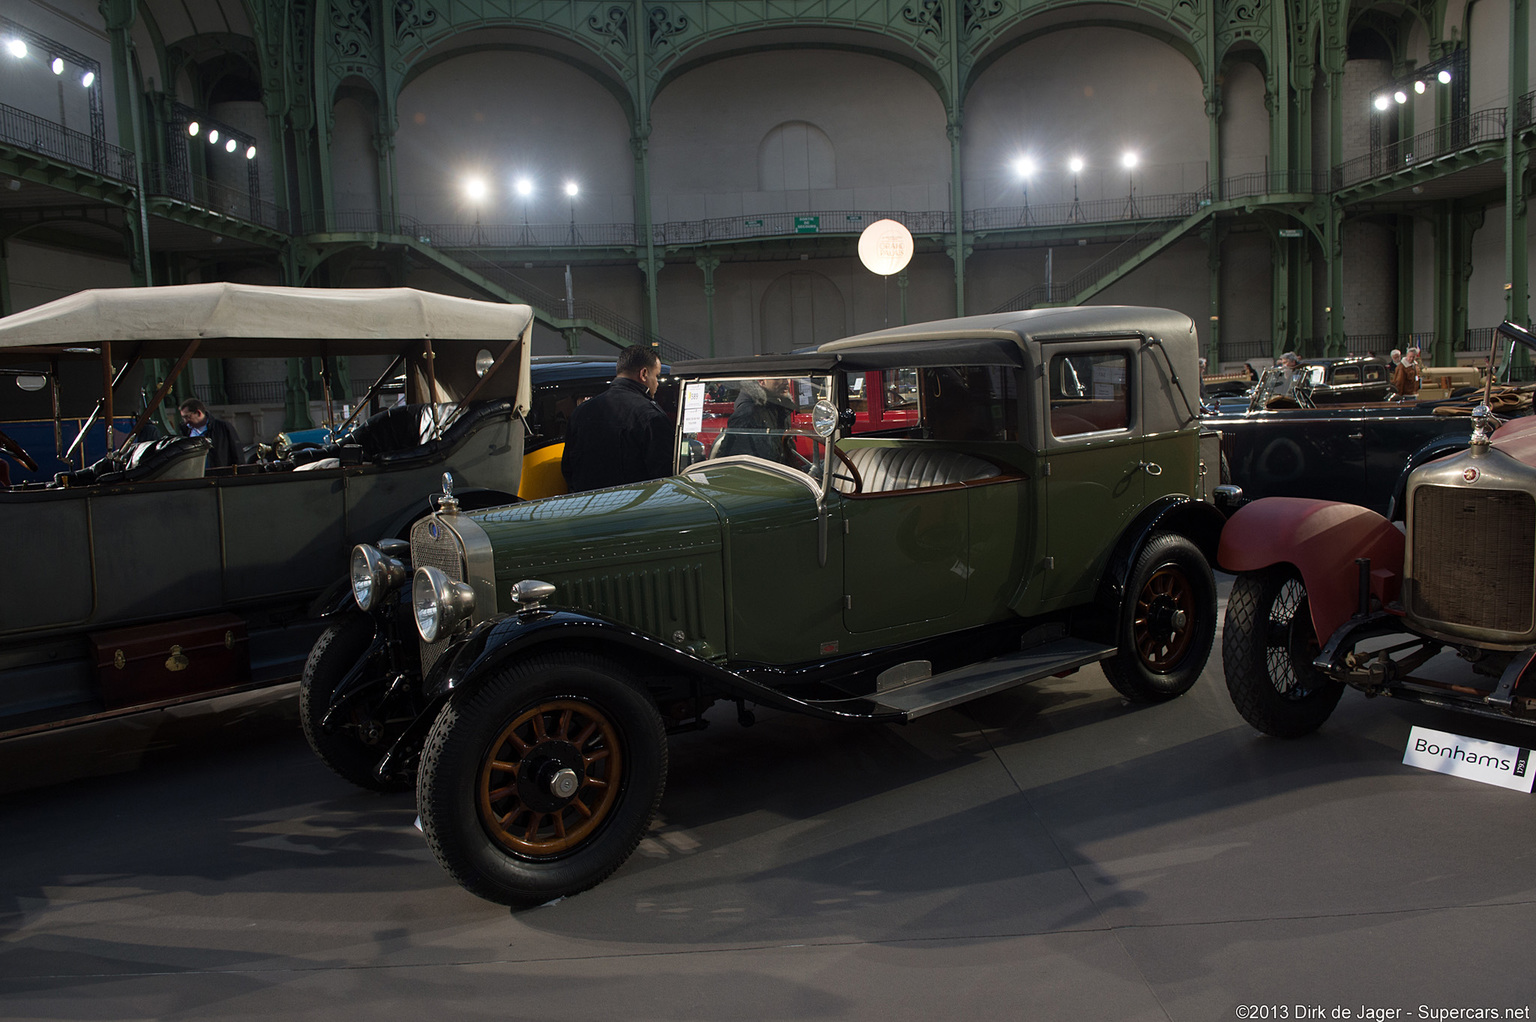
494	643
1436	448
1197	521
469	500
335	598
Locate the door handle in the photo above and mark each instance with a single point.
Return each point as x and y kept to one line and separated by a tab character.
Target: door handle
1152	468
1357	436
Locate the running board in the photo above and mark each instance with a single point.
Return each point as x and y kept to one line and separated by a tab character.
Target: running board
918	698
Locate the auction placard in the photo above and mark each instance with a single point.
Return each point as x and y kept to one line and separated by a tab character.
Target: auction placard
1508	766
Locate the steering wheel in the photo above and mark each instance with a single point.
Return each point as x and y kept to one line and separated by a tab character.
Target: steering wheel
853	476
7	444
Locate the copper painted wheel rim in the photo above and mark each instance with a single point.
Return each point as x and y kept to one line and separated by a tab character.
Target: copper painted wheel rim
1165	619
521	788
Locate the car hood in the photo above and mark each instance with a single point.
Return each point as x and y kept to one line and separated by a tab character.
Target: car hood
642	521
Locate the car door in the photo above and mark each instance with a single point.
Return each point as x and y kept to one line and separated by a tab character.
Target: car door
1094	472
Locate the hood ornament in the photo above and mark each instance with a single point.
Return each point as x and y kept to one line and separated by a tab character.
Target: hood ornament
446	501
1484	422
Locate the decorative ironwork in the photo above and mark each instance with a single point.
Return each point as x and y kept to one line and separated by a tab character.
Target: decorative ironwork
411	18
614	24
353	34
927	15
664	25
976	12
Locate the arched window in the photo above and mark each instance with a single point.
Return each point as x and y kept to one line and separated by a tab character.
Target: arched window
802	308
796	155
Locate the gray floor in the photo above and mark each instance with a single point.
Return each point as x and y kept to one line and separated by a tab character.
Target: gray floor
1049	853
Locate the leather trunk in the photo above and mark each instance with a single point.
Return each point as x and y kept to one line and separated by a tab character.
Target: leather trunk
172	660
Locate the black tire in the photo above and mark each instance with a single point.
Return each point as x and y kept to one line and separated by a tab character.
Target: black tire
1267	647
1167	622
354	746
507	835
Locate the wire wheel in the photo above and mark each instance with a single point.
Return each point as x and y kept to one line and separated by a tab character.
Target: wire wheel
1290	640
1165	619
1268	646
550	778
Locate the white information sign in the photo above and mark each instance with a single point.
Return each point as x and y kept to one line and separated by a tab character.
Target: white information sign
1508	766
693	408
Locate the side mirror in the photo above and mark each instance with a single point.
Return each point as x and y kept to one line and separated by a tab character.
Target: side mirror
31	383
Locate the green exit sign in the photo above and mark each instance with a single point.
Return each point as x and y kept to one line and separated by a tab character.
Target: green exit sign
751	223
807	225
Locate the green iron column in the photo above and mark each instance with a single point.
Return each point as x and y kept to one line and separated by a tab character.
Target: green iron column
1212	238
639	144
957	210
118	17
1517	287
709	264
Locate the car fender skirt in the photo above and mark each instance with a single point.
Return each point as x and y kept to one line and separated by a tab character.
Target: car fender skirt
495	643
1322	539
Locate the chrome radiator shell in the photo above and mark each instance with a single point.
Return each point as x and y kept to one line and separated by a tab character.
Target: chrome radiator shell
457	546
1470	560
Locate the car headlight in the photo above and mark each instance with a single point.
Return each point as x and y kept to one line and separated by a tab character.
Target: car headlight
374	575
440	603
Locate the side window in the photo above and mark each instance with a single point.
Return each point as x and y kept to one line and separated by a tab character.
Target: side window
970	403
1089	393
1346	374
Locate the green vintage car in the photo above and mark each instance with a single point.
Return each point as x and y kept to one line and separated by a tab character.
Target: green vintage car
1041	508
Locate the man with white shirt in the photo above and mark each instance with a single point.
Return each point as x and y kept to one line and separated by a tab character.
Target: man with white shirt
196	421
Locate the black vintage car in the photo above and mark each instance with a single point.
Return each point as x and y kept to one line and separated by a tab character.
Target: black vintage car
1301	438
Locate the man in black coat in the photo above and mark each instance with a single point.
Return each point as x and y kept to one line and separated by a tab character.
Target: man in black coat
621	435
196	421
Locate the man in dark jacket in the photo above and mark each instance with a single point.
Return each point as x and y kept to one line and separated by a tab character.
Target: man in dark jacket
621	435
196	421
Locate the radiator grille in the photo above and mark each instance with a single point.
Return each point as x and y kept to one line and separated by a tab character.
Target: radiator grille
444	554
1472	557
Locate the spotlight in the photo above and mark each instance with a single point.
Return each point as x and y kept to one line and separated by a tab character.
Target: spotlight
1400	96
1024	166
1382	102
213	136
88	79
194	128
16	48
57	65
475	188
524	187
1445	77
571	189
230	145
250	152
1418	87
1075	164
1129	161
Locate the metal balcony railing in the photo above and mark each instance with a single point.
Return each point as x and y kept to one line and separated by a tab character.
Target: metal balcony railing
1477	128
44	137
237	201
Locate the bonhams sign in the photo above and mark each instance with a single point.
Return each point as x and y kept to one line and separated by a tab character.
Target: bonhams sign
1508	766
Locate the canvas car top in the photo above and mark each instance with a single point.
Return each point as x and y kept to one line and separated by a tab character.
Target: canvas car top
331	321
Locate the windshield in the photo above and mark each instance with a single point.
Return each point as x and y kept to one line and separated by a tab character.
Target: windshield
764	417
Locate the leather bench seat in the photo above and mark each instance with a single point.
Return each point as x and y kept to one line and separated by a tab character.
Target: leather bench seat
883	469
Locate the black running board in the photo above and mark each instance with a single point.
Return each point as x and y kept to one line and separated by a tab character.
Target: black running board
929	695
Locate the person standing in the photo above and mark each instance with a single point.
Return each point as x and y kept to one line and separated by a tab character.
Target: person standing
621	435
196	421
1408	375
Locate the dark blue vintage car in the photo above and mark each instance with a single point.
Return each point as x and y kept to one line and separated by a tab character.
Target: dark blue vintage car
1282	445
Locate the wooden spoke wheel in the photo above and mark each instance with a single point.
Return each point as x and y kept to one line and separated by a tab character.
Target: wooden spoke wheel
551	778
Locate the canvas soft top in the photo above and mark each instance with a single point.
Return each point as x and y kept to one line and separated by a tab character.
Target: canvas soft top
247	320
